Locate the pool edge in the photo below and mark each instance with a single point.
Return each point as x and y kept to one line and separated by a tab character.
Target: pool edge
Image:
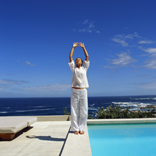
121	121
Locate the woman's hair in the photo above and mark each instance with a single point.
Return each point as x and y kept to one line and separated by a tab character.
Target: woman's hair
81	60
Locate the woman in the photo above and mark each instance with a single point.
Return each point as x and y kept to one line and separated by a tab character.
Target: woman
79	98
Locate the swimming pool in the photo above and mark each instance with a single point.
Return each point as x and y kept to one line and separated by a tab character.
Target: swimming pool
123	139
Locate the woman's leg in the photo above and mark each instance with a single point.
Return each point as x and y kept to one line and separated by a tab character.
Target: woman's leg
74	110
83	109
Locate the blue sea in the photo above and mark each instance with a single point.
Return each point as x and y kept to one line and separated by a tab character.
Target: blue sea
54	106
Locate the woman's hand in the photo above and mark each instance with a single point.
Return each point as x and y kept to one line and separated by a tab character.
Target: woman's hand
72	51
81	45
75	44
85	51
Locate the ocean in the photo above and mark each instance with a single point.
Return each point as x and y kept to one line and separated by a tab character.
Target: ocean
54	106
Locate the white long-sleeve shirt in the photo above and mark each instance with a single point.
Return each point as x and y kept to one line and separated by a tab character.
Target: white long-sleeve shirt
79	77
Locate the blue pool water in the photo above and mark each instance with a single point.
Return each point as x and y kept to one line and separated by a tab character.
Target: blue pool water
123	139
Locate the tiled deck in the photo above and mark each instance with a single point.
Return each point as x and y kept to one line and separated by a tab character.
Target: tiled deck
47	138
54	138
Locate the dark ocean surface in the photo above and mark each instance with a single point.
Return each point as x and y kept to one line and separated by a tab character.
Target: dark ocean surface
54	106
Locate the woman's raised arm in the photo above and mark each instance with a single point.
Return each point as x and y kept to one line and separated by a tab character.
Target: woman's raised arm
72	51
85	51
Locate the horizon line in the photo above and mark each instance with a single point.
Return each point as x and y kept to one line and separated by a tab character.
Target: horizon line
88	96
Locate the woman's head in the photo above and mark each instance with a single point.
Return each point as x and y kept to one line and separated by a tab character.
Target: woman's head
78	62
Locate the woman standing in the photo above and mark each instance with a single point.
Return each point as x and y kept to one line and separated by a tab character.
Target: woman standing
79	97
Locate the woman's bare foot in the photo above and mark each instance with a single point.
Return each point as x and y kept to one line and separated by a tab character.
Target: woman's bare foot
77	132
81	132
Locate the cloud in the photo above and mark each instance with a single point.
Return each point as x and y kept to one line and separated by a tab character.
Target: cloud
9	88
145	42
122	60
28	63
131	36
89	30
82	30
149	85
86	21
111	67
124	39
47	88
6	84
11	82
151	64
91	25
132	40
150	50
87	26
122	42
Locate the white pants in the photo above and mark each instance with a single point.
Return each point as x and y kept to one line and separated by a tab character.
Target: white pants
79	109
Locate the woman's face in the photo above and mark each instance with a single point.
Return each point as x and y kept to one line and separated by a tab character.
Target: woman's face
78	62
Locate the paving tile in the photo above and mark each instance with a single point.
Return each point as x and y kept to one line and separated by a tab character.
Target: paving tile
8	154
41	125
60	122
34	132
43	147
59	126
52	130
21	141
55	153
12	147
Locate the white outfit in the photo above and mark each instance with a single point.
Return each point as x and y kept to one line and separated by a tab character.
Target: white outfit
79	109
79	98
79	78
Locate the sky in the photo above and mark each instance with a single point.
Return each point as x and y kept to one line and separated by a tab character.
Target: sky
36	37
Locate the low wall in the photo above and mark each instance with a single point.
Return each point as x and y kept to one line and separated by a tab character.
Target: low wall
49	117
53	118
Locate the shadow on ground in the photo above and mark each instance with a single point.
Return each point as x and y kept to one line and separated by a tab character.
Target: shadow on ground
48	138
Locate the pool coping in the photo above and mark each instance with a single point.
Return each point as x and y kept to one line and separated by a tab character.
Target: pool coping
121	121
77	145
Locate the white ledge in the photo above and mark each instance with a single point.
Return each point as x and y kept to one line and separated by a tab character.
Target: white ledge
121	121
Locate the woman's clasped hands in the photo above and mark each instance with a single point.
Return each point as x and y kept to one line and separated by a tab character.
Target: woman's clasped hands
76	44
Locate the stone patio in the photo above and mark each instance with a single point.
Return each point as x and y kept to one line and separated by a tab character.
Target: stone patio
47	138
